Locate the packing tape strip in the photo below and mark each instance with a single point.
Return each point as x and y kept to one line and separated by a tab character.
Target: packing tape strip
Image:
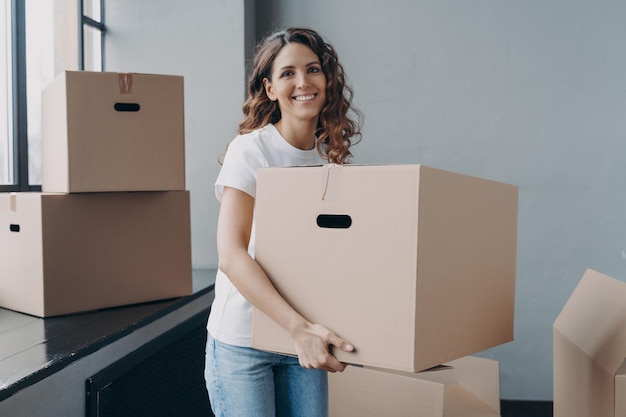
331	182
125	80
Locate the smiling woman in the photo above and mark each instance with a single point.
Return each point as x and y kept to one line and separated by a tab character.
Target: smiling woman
298	112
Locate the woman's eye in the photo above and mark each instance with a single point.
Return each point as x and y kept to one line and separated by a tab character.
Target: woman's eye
314	69
286	74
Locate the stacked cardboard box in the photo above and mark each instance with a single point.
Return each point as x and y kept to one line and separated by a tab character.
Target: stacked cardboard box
413	265
112	223
466	387
589	338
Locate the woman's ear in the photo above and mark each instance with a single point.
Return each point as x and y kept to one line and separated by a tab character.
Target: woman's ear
268	89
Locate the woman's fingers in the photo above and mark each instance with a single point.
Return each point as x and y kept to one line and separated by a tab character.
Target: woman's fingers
340	343
314	349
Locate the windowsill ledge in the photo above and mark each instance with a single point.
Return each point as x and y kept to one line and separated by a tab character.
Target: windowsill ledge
33	348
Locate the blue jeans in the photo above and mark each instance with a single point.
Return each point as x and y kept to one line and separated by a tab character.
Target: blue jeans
246	382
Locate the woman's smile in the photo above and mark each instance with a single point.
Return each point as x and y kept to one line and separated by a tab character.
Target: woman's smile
304	98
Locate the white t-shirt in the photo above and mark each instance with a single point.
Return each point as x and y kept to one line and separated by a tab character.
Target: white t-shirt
230	320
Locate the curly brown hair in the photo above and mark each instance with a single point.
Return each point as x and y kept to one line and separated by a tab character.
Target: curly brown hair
335	128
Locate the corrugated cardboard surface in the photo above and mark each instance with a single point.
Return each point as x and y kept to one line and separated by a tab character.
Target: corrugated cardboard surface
21	253
468	388
363	392
89	146
589	347
425	274
93	250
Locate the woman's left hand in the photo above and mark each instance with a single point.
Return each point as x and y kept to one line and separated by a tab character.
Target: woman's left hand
313	346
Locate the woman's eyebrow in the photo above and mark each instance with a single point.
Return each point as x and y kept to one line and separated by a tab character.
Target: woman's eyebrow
293	66
286	67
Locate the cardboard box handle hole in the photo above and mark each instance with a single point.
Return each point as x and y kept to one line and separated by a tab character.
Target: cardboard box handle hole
127	107
334	221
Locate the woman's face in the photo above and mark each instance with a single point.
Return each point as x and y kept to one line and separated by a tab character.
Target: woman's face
297	83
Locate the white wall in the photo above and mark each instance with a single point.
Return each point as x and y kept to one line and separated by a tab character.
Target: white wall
204	42
527	92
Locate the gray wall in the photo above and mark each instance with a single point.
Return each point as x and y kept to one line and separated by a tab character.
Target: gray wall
204	42
528	92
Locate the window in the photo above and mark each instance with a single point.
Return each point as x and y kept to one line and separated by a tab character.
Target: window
92	35
7	154
40	40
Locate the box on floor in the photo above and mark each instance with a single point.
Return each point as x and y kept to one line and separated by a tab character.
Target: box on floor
66	253
413	265
589	350
104	131
466	387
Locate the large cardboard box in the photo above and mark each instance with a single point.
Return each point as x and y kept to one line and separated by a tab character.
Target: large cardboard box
589	350
66	253
104	131
413	265
466	387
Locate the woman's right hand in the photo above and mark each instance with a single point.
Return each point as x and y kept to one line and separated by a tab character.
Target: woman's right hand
313	345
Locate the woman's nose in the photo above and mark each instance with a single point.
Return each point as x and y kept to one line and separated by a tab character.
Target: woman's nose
301	80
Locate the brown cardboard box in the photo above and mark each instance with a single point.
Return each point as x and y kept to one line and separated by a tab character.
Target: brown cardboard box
66	253
104	131
589	350
467	387
424	274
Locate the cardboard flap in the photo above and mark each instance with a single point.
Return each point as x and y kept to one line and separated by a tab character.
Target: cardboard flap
594	319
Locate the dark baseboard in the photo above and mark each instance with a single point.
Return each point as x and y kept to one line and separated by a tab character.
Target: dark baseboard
525	408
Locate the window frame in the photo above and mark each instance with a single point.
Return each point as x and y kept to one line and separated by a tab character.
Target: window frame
85	20
19	100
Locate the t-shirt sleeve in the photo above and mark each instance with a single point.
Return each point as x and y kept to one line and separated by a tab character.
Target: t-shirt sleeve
239	168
